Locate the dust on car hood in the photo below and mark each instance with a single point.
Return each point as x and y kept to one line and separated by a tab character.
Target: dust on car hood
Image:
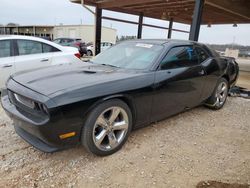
50	80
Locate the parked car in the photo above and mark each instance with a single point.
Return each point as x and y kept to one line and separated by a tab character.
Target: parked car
126	87
77	43
46	38
19	53
104	46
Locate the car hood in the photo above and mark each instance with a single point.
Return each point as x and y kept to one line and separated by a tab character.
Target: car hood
55	80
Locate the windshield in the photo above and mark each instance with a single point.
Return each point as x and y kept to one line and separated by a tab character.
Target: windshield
56	41
129	55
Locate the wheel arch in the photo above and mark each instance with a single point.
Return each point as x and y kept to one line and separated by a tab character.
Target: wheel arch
88	50
124	98
226	77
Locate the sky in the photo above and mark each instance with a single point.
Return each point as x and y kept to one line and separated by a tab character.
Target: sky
55	12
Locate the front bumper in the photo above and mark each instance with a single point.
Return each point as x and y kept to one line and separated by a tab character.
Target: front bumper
36	142
42	133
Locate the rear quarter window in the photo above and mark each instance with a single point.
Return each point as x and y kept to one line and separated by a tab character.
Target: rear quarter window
48	48
202	54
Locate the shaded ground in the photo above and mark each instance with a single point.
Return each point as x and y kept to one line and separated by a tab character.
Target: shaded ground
198	145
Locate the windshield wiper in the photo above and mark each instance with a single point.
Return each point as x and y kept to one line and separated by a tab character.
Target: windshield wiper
110	65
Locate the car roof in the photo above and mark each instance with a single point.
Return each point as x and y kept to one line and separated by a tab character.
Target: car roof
18	37
22	37
67	38
164	41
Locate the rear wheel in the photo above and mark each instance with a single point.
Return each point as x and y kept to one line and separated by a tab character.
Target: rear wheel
219	96
89	53
107	128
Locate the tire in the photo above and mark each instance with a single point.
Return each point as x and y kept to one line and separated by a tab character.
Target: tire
89	53
104	131
219	96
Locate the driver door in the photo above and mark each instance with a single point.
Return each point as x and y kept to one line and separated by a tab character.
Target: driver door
178	82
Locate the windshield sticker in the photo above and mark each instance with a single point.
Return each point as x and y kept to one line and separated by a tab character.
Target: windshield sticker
144	45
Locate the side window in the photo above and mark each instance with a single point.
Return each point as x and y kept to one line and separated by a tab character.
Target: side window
69	40
27	47
177	57
63	41
47	48
5	50
202	55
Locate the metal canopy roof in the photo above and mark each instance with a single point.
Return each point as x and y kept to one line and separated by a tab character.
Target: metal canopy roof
214	12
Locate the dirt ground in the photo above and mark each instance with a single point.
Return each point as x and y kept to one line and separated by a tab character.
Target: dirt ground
244	79
244	75
198	145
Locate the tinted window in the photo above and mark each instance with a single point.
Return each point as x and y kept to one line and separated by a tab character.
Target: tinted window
63	41
177	57
26	47
47	48
202	55
69	40
5	50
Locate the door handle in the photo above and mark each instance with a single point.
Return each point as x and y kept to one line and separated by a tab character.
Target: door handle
202	72
44	60
7	66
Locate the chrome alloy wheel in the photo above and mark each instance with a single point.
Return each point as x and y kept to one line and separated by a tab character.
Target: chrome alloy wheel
110	128
221	93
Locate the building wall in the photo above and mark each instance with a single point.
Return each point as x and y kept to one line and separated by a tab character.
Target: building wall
39	31
85	32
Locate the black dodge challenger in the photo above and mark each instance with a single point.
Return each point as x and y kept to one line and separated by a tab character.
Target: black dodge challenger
128	86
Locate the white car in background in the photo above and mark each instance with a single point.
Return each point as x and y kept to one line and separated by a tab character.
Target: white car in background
19	53
104	46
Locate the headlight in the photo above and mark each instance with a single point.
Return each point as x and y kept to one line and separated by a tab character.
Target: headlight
30	103
25	101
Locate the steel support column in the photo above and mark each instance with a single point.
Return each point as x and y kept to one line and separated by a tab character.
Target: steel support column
139	33
170	27
98	30
197	19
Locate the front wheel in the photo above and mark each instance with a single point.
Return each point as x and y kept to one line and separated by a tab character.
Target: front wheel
107	127
219	96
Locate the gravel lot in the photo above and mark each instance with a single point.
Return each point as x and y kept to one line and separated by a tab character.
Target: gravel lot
197	145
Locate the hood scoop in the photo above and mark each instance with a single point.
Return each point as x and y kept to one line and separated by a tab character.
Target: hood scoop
89	71
93	71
